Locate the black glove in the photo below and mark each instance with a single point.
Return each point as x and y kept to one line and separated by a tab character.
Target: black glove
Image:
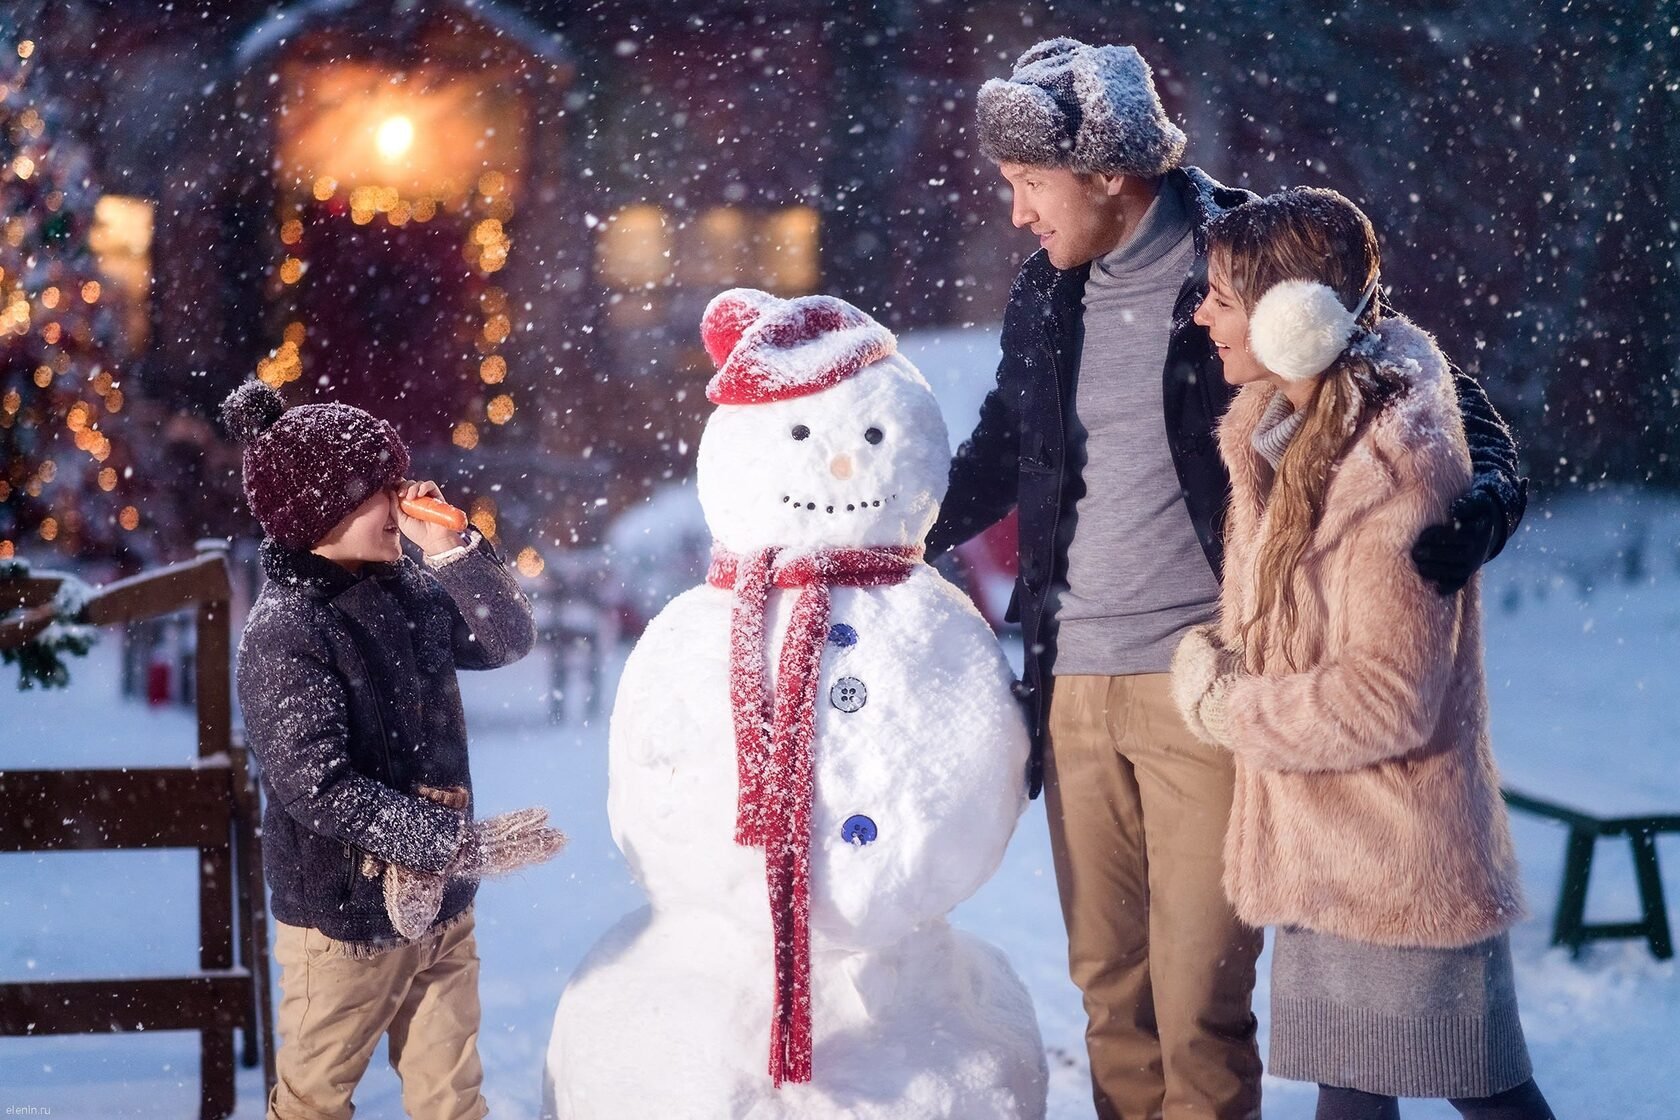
1448	555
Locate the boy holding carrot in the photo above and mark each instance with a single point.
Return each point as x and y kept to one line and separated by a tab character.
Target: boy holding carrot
346	676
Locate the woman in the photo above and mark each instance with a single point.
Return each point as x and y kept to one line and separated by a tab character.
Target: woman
1367	824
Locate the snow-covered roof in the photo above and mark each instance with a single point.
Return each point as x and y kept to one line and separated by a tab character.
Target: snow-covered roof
274	31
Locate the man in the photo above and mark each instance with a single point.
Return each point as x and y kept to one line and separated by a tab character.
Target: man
1101	432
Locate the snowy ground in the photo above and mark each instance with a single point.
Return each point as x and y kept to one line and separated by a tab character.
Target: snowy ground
1584	660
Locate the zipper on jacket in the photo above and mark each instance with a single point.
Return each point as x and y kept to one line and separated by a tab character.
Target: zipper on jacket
350	862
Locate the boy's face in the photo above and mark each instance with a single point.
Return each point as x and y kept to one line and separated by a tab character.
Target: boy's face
367	535
1077	216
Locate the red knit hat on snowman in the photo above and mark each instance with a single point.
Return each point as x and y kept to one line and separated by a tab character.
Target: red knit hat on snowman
772	349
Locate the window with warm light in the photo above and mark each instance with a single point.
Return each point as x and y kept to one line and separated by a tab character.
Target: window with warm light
641	246
121	240
635	248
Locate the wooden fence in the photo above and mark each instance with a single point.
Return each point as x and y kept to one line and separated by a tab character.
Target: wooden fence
210	805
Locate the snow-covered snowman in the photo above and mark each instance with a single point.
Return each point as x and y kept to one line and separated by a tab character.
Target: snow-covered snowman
813	758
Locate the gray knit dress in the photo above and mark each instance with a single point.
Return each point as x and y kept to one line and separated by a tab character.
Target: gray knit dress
1404	1022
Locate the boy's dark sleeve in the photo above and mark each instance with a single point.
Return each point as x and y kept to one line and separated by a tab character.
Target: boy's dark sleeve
493	623
296	719
985	470
1485	516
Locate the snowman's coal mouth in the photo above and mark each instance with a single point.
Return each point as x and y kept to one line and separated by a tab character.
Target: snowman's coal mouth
837	507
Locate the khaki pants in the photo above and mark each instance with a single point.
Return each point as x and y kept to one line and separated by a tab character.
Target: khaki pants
1137	809
334	1008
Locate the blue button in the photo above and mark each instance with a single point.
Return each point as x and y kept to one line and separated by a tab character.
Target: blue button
842	635
858	829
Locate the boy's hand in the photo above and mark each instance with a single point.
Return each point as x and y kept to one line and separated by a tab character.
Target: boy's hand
507	843
412	899
495	846
431	538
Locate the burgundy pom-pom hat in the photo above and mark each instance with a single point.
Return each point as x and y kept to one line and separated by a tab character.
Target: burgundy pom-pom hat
308	467
771	349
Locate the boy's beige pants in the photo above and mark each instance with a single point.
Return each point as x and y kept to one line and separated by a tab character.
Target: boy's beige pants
334	1009
1137	808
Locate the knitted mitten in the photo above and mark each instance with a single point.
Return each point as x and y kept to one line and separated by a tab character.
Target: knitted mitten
1201	670
495	846
507	843
412	899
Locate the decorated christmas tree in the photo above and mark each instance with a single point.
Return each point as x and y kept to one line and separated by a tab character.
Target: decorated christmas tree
64	471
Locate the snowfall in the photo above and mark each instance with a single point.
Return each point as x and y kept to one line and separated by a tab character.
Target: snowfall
1583	650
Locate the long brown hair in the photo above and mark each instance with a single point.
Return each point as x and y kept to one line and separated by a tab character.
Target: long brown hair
1305	233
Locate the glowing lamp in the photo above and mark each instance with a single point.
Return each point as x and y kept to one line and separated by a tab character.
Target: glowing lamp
395	137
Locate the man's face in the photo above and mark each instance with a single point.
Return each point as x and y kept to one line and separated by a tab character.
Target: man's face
1076	215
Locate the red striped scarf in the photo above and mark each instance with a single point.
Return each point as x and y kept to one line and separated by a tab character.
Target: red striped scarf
775	749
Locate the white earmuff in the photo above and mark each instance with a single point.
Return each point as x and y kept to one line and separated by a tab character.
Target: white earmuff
1299	327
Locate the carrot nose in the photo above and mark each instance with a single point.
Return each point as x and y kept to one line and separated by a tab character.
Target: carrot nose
840	466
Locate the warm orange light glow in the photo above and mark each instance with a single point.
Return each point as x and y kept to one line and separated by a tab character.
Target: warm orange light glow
129	518
347	121
529	563
465	435
493	369
395	137
500	409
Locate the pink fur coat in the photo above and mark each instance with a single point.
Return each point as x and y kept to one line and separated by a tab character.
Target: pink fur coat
1367	802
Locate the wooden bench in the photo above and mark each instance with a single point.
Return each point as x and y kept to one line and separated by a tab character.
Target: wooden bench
1570	927
210	805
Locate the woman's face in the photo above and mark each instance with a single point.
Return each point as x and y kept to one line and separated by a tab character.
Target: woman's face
1226	320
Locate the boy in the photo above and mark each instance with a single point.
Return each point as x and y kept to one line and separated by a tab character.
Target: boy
347	681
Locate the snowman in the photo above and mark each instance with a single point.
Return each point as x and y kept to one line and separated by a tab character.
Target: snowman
813	758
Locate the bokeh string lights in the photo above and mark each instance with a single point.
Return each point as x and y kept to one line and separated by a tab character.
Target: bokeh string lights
58	333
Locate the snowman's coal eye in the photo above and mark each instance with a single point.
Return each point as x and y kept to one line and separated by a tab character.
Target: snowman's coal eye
874	435
800	431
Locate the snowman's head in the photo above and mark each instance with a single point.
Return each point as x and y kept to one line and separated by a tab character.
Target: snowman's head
824	436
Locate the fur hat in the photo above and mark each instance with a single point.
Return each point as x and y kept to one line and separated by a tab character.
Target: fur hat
307	467
1087	108
770	349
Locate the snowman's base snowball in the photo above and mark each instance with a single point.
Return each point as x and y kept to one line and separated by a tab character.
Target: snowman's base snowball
668	1016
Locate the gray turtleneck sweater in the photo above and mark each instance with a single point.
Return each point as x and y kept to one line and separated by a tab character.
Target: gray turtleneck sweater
1277	428
1136	576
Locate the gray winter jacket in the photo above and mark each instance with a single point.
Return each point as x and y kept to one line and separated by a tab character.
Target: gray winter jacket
347	683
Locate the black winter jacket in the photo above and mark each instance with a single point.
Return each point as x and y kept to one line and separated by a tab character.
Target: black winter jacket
1017	456
347	683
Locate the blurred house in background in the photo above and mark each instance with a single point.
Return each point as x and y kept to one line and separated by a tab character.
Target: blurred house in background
498	222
